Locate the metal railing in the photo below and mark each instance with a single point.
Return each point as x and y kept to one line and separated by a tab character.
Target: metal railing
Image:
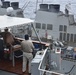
43	65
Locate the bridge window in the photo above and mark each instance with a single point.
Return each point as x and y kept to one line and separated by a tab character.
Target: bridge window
68	35
64	36
61	36
65	28
75	38
71	38
49	27
38	25
61	28
43	26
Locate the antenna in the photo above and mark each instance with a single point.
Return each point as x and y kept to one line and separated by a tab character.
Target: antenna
67	8
37	5
25	5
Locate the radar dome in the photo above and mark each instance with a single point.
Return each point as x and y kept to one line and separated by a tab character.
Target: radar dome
9	10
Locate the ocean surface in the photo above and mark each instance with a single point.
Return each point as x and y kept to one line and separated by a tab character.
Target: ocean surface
30	6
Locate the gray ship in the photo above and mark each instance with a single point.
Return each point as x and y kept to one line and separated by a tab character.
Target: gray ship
10	9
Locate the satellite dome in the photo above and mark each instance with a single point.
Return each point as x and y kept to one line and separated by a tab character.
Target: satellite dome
9	10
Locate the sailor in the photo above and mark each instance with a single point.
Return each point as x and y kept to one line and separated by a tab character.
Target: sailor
8	38
27	47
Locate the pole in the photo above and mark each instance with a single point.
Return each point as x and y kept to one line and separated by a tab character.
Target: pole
36	5
36	33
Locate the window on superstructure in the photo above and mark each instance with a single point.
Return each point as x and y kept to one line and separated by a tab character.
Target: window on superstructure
74	37
64	36
61	36
65	28
38	25
61	28
49	27
68	35
71	38
43	26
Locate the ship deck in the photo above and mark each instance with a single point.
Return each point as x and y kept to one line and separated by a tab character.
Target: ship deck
6	67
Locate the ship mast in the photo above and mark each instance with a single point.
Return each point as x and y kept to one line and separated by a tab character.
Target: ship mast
37	5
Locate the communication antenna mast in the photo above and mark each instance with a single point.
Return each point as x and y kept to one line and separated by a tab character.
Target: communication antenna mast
25	5
67	8
37	5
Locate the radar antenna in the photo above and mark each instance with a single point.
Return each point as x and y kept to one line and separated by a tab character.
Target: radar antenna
10	11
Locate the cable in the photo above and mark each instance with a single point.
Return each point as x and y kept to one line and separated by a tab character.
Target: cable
70	70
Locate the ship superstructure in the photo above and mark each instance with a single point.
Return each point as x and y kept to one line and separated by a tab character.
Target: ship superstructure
50	21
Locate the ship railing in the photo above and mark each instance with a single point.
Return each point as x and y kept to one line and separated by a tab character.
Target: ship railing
43	67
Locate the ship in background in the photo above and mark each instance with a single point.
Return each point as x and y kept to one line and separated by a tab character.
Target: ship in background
53	23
